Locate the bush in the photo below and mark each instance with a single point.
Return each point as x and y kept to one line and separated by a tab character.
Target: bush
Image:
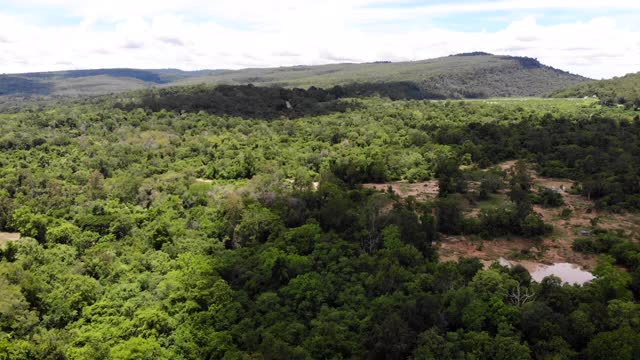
489	184
548	198
584	245
471	225
533	226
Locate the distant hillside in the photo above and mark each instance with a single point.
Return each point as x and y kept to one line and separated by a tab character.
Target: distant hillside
469	75
622	91
10	85
90	82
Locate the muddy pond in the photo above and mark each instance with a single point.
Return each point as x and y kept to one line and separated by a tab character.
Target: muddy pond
567	272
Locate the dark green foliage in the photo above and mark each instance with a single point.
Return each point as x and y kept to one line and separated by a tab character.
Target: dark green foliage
489	184
588	151
605	242
246	101
450	178
533	226
401	90
548	197
9	252
449	210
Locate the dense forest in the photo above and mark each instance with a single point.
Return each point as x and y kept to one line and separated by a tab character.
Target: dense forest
245	101
165	225
250	101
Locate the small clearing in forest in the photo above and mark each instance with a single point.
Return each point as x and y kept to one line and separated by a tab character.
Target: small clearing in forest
5	237
555	247
201	180
425	190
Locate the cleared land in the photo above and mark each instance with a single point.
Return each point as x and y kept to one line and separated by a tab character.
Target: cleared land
425	190
5	237
554	248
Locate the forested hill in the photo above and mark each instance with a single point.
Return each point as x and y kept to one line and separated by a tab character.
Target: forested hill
621	91
470	75
90	82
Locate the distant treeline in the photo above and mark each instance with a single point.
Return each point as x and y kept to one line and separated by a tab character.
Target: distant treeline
600	152
10	85
245	101
623	91
249	101
144	75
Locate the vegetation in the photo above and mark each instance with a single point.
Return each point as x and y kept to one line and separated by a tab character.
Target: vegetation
171	230
17	85
245	101
623	91
548	197
473	75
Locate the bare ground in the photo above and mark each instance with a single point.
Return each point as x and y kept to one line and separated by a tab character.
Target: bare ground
201	180
425	190
5	237
554	248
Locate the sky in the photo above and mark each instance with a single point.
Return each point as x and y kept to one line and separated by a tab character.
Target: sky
598	39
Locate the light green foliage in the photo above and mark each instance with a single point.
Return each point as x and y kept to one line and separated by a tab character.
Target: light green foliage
30	224
138	348
190	236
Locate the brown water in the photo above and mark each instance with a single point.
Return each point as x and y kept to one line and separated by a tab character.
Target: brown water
567	272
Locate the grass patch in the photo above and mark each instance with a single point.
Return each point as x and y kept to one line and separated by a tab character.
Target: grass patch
493	201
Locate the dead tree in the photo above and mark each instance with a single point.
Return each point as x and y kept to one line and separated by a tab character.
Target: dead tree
520	296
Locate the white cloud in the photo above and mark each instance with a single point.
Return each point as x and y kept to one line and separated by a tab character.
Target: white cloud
493	6
252	33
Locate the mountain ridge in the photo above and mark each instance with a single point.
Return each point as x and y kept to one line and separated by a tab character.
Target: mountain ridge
466	75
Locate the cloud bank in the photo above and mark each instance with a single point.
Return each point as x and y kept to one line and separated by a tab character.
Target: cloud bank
42	35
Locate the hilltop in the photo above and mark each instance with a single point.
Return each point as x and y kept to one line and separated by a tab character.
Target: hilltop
469	75
622	91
